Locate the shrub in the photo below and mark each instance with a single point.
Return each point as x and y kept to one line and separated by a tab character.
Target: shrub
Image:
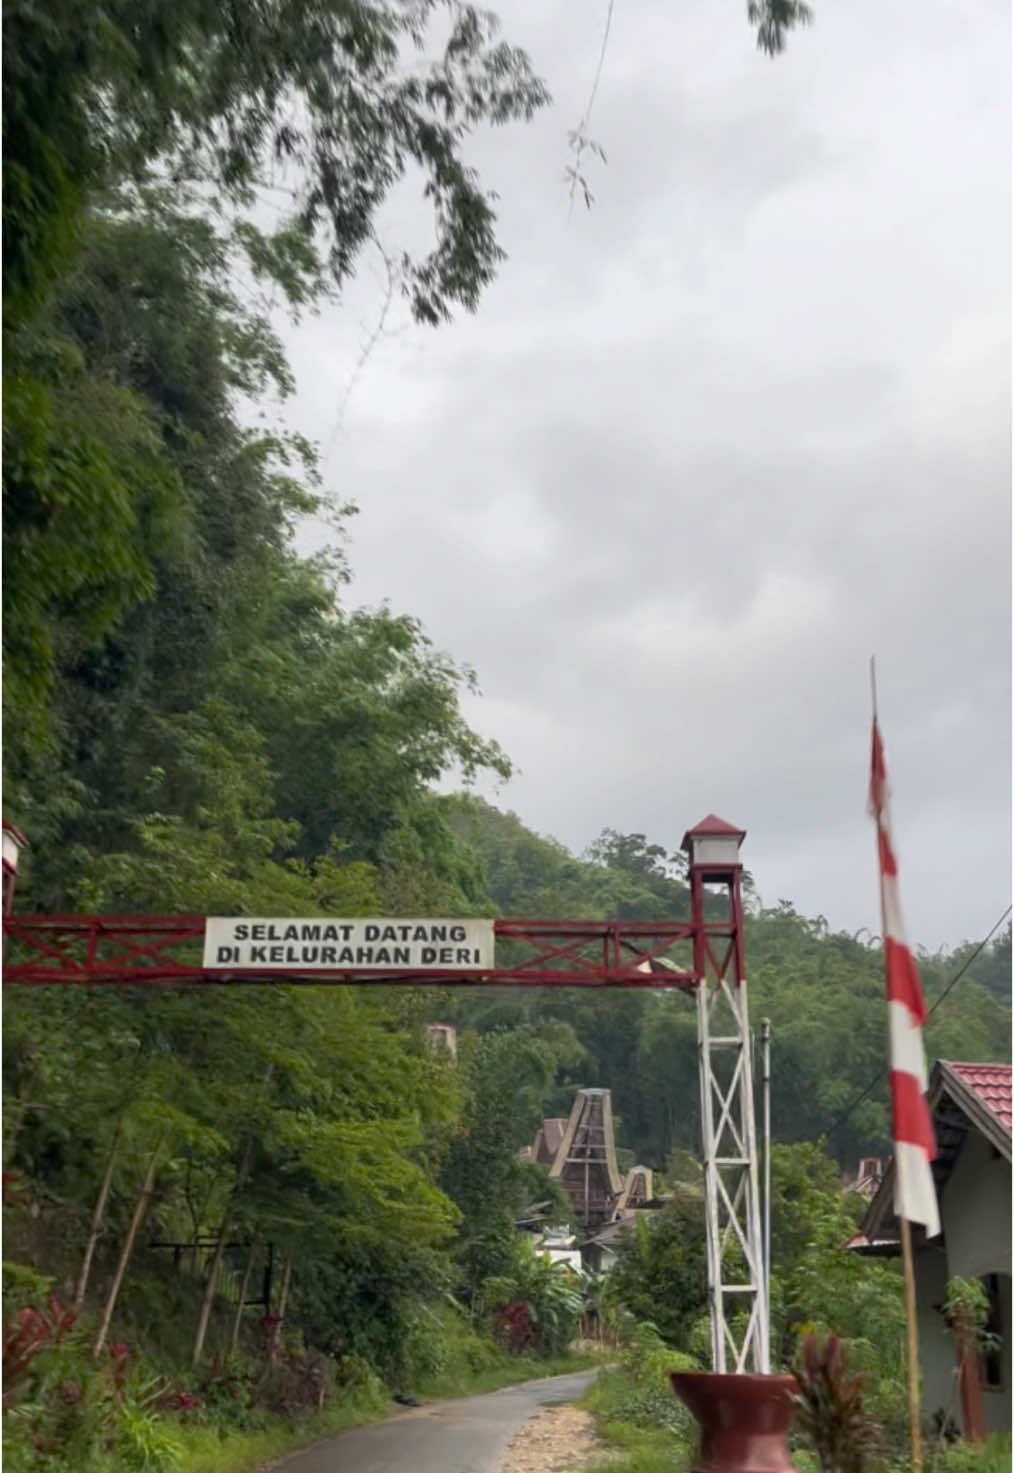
830	1408
639	1392
536	1306
991	1456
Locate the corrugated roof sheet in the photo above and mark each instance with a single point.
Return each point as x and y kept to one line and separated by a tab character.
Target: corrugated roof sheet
992	1083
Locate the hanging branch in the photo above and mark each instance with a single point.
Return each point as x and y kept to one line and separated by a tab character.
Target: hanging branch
578	139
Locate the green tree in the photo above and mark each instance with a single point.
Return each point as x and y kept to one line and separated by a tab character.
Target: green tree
315	94
660	1274
509	1074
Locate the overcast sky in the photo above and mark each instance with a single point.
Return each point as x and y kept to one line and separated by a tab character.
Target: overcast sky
707	446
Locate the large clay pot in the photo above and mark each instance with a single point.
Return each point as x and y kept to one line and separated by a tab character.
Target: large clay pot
744	1420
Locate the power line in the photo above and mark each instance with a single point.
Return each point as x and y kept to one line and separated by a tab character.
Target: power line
881	1075
984	942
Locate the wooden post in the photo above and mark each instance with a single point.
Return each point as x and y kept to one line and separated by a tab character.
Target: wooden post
128	1246
211	1286
283	1304
969	1381
913	1346
97	1216
238	1321
210	1289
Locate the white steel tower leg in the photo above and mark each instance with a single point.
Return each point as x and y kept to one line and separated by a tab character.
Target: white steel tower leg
736	1284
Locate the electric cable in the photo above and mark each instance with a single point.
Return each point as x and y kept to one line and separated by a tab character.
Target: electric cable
882	1074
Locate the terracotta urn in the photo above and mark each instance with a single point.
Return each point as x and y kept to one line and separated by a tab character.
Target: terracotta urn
744	1420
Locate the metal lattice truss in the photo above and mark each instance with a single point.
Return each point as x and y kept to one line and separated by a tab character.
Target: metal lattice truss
739	1319
141	951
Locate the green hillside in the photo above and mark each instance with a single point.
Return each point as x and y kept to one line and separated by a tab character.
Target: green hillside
823	992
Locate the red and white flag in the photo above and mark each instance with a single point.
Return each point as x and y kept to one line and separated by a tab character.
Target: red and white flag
914	1146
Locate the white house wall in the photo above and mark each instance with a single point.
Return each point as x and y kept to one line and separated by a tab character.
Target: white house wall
976	1217
936	1347
976	1211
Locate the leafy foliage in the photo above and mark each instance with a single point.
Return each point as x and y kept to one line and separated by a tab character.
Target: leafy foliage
830	1408
660	1275
314	96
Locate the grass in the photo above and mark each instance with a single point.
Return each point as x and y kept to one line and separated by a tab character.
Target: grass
636	1413
642	1449
507	1372
206	1450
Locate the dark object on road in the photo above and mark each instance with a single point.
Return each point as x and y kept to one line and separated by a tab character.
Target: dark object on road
406	1401
744	1420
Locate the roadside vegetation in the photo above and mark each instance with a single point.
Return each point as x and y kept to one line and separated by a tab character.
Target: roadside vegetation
837	1324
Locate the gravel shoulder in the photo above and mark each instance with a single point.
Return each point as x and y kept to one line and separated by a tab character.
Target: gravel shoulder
560	1439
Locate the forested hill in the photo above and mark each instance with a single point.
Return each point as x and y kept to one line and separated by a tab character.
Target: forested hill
823	991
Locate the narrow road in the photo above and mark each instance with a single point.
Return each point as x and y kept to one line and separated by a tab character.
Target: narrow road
467	1436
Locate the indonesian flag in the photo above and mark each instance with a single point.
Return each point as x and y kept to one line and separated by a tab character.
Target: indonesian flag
914	1146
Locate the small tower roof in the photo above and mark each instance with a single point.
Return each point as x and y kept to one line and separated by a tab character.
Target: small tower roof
712	827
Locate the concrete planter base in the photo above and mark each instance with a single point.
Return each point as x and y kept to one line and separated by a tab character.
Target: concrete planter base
744	1420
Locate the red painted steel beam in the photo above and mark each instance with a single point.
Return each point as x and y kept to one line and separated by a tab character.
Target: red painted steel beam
138	951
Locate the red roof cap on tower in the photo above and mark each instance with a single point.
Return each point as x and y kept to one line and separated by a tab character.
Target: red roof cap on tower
18	835
712	827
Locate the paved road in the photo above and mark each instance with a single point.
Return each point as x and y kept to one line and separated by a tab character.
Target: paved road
465	1436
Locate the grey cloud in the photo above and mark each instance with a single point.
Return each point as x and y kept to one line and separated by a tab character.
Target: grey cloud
706	448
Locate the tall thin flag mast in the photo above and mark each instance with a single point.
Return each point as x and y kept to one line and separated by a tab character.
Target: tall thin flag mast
911	1127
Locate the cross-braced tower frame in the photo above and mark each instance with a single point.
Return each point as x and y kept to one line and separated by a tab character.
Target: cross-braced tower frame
736	1280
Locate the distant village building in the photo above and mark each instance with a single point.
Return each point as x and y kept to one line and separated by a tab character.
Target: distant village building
638	1190
638	1196
971	1110
585	1160
867	1179
560	1246
443	1036
580	1153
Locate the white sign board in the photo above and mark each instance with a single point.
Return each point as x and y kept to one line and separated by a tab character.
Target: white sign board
325	943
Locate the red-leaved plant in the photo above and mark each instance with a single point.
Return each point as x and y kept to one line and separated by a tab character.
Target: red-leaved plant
513	1327
830	1408
31	1331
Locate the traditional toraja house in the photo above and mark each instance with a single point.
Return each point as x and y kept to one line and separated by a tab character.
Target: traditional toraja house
971	1110
585	1160
867	1179
638	1190
580	1152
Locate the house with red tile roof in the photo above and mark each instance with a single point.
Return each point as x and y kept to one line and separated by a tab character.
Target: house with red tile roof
971	1109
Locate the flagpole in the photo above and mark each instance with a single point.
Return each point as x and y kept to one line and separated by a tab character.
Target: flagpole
913	1343
906	1231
